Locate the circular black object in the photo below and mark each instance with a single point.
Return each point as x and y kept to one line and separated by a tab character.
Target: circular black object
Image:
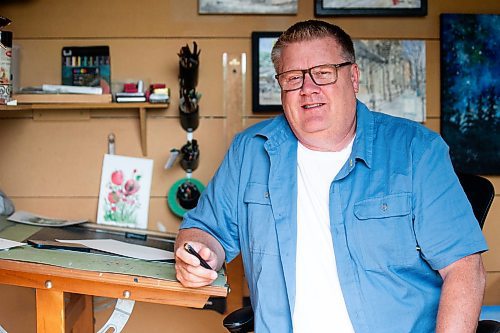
240	321
188	195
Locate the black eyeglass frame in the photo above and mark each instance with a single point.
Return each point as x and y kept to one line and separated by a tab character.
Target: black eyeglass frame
304	71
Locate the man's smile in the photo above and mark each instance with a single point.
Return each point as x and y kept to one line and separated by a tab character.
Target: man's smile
311	106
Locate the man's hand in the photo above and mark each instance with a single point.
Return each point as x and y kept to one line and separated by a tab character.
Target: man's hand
189	271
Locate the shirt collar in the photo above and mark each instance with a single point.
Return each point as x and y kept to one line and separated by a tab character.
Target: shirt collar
278	131
362	147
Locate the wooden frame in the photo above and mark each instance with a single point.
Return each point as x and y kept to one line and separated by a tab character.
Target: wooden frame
276	7
343	8
265	89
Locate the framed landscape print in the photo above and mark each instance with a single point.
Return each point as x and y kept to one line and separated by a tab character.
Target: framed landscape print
370	8
470	91
266	92
284	7
393	77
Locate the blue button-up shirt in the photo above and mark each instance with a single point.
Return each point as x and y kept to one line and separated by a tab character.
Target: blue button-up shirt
397	215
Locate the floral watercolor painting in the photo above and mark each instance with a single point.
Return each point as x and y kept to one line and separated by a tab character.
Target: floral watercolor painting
125	189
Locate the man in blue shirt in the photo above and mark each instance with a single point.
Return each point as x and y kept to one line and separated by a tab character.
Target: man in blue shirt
391	238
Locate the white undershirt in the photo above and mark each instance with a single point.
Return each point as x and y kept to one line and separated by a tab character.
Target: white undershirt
319	300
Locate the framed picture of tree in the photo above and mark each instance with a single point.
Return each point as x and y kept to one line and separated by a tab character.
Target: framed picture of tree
393	76
470	91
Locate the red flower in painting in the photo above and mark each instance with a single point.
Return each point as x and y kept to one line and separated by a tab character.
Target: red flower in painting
113	197
131	187
117	177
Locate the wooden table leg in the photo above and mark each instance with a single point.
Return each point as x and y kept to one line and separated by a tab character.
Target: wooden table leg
49	311
80	314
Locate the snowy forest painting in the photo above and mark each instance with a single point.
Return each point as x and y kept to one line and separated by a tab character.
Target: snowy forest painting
470	89
392	76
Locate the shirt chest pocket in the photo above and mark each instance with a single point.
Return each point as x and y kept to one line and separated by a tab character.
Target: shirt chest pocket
384	231
262	237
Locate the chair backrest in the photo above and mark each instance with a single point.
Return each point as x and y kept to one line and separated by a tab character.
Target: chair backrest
480	193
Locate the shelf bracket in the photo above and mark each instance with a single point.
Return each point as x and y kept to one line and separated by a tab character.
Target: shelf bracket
143	129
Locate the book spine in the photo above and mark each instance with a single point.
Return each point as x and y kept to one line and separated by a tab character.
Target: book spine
130	99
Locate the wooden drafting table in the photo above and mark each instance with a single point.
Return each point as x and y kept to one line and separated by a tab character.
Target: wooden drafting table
83	275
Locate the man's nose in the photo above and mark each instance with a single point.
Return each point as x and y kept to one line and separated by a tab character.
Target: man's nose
308	84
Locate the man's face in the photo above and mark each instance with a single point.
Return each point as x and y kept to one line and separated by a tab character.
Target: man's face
320	113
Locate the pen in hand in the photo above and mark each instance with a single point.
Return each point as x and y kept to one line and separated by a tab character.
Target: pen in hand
192	251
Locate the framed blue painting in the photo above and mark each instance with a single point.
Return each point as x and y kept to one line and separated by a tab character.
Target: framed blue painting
470	91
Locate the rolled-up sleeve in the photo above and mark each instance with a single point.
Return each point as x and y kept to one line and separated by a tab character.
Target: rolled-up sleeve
445	226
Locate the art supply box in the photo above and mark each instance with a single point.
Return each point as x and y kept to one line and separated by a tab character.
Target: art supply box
86	66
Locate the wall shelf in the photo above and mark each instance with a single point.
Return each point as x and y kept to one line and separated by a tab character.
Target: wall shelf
141	107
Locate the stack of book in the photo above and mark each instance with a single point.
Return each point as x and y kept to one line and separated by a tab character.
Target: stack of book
130	97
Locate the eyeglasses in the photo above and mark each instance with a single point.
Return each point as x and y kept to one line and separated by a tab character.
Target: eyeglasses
321	75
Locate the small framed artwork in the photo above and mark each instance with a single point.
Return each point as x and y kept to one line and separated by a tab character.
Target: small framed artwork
370	8
124	192
283	7
470	91
393	76
266	92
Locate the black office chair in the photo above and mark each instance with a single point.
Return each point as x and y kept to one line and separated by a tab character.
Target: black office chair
480	193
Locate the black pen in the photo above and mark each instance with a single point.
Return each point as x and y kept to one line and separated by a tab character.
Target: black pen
192	251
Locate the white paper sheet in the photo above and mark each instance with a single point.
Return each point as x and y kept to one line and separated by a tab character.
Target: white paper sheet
42	221
7	244
123	248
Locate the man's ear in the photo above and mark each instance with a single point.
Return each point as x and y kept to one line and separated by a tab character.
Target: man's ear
355	77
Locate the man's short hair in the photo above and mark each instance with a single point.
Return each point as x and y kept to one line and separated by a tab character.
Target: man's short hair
310	30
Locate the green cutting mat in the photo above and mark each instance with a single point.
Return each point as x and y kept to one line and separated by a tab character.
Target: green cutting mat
84	261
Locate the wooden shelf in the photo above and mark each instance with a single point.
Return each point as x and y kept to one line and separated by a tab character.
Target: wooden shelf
141	107
80	106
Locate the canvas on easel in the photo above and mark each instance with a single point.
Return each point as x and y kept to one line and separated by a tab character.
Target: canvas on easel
125	190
